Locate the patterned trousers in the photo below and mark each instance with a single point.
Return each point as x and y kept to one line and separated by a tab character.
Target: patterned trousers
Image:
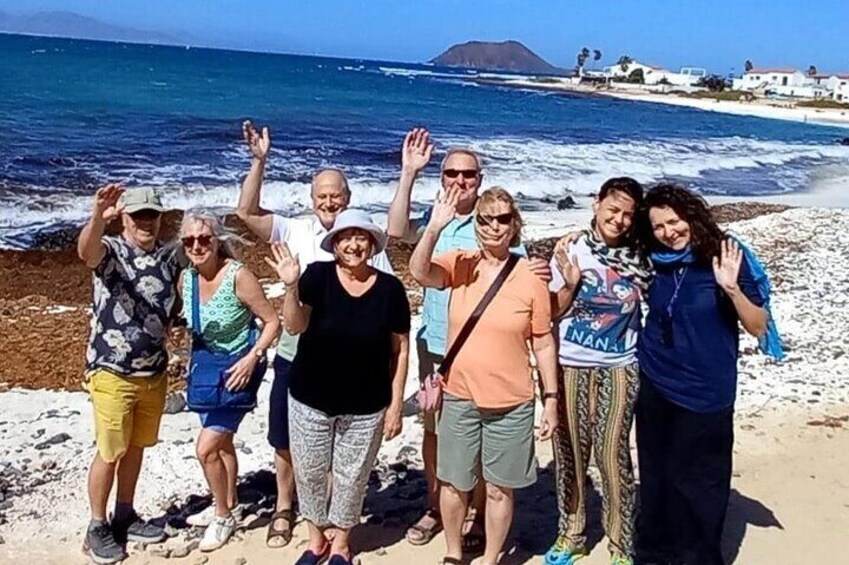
344	446
595	414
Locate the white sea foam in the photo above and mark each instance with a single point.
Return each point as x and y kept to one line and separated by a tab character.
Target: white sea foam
535	168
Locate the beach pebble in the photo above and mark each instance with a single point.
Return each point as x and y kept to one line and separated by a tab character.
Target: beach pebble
53	440
175	403
183	549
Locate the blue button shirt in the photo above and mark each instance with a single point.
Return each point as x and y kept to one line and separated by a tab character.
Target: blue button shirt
459	234
698	368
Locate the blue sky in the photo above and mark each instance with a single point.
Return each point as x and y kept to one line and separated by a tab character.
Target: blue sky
717	34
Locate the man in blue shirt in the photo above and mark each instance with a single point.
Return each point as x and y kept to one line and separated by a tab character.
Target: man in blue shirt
460	170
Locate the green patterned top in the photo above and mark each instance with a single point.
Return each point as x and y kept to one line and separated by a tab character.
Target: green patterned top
224	319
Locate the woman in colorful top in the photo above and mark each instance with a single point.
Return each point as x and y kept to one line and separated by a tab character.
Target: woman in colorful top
487	416
348	376
596	289
229	296
688	350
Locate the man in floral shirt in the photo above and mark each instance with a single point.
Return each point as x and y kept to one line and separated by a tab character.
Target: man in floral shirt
134	278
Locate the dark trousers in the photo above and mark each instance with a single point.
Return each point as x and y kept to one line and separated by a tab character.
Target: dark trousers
685	480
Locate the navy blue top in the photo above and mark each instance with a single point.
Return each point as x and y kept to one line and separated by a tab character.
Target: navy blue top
697	367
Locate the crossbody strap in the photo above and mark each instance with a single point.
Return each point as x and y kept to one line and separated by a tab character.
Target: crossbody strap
476	315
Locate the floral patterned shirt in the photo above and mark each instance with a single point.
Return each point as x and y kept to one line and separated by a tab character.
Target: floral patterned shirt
134	294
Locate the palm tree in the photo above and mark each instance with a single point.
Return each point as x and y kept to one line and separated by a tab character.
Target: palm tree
581	59
596	56
748	65
812	70
624	62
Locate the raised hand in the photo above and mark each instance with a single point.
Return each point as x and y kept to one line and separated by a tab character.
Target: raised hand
568	265
726	267
259	144
106	205
416	150
444	209
284	263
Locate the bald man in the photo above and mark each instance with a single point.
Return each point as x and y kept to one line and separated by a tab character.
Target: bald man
330	196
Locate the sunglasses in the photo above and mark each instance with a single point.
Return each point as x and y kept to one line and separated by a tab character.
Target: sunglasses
203	240
485	220
467	174
143	215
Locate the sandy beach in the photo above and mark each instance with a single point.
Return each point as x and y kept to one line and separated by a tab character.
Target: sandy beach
791	493
760	108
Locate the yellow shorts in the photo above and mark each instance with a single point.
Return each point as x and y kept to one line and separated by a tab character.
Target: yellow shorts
127	411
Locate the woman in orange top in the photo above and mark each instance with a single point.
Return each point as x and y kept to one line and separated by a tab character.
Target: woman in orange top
487	418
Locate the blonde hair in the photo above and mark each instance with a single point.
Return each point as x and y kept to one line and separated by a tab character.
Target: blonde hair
498	194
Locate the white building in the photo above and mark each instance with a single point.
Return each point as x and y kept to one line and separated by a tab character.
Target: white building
653	75
792	83
835	85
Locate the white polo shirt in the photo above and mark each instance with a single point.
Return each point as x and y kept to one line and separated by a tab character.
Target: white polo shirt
304	237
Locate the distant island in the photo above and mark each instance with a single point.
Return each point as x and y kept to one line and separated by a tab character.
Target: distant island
69	24
496	56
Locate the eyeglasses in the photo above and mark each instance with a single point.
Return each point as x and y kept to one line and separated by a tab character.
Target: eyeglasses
145	215
467	174
203	240
503	219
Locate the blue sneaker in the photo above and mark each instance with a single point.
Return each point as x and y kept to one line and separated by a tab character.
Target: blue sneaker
563	553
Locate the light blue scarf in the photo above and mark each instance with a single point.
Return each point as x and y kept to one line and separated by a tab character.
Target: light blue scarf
770	342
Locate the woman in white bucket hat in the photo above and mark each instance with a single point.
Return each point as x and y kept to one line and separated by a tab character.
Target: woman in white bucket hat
347	377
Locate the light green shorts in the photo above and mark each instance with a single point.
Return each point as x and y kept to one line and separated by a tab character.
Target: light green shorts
501	442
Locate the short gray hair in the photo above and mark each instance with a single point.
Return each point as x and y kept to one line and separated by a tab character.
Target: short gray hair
340	172
229	241
461	151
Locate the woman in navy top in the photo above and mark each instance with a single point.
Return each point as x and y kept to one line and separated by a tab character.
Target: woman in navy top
688	361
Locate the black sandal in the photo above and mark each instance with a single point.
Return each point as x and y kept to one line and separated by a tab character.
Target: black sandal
282	534
451	561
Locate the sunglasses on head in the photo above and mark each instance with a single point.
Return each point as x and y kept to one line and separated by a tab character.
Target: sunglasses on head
203	240
143	215
467	174
486	220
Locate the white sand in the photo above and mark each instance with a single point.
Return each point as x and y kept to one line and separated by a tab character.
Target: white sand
786	471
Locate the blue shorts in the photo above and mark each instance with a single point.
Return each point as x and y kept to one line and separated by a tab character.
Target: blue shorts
278	405
222	420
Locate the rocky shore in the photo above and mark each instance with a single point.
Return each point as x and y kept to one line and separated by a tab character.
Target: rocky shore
46	440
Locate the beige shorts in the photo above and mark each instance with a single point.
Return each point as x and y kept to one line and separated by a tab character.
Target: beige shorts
428	363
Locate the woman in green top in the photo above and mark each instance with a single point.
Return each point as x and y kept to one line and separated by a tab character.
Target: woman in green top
229	297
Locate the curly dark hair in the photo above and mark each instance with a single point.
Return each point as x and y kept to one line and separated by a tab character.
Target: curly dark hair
705	235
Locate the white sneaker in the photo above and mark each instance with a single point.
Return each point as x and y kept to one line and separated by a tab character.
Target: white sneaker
217	533
205	516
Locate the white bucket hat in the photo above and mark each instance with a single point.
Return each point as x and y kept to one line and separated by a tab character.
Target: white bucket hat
359	219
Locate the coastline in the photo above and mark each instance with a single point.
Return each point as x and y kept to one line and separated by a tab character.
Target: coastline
789	428
760	108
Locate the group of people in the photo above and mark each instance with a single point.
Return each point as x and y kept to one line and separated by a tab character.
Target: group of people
492	320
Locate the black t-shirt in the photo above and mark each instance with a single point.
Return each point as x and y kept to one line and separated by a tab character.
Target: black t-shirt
343	363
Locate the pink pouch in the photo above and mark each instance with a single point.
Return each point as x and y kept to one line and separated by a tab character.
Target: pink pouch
430	393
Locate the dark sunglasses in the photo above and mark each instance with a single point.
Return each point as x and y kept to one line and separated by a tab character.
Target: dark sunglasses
467	174
143	215
503	219
203	240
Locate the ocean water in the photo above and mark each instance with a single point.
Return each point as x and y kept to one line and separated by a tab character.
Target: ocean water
75	114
